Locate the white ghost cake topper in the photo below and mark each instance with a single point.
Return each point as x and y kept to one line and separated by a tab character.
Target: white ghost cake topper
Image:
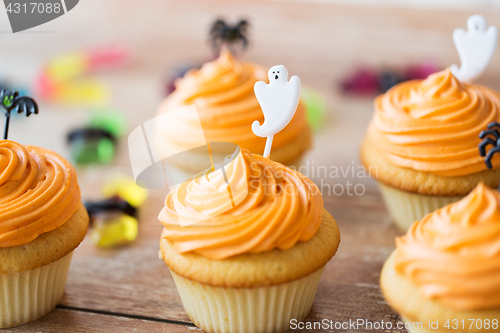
278	100
475	47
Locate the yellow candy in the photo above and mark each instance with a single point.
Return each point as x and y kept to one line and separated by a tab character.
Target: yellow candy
86	91
114	231
126	188
67	66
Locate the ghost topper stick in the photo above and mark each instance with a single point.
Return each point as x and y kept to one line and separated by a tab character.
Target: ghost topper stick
222	33
11	101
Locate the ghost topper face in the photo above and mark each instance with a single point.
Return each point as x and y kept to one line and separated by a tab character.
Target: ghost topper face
278	73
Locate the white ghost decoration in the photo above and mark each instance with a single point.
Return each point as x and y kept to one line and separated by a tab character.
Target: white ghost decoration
278	100
475	48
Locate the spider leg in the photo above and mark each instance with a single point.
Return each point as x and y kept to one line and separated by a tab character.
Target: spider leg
484	144
493	124
217	32
493	132
217	26
488	158
244	40
242	26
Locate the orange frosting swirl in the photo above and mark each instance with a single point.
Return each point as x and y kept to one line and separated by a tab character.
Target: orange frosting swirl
433	125
282	207
38	192
453	254
222	91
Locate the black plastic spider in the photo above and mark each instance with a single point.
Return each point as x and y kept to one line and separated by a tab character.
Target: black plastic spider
492	130
223	33
11	101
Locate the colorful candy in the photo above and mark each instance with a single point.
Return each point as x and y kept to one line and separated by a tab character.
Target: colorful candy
110	230
70	66
316	107
112	121
64	77
369	81
126	188
363	81
89	146
113	221
85	91
96	142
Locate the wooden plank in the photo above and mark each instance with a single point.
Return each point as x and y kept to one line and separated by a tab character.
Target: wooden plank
66	320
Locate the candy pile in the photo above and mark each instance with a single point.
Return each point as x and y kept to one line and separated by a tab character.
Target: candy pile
65	78
369	81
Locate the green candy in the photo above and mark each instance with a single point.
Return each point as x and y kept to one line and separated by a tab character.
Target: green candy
316	107
112	121
91	151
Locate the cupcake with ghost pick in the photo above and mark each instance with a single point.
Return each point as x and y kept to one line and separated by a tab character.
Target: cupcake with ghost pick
422	144
251	261
42	220
445	272
222	91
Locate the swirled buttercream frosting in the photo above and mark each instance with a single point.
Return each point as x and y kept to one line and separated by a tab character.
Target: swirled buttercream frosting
222	91
38	192
281	207
453	254
433	125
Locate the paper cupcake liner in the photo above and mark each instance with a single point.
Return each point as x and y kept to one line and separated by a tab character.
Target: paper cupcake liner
406	208
28	295
247	310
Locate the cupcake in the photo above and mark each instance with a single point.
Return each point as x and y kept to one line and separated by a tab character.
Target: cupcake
421	145
222	91
445	272
256	266
42	221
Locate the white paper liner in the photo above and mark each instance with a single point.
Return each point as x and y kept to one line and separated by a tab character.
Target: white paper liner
29	295
247	310
406	207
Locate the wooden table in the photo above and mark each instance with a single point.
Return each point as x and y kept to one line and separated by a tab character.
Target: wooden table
129	288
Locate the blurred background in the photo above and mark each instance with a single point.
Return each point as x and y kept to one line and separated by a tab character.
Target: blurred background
326	43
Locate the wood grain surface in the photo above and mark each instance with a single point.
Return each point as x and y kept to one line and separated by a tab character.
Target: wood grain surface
129	289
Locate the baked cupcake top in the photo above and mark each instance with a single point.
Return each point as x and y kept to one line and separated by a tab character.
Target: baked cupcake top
222	91
453	254
282	207
38	192
433	125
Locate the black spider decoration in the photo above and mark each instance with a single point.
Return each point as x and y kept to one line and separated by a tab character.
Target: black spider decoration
223	33
11	101
492	130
